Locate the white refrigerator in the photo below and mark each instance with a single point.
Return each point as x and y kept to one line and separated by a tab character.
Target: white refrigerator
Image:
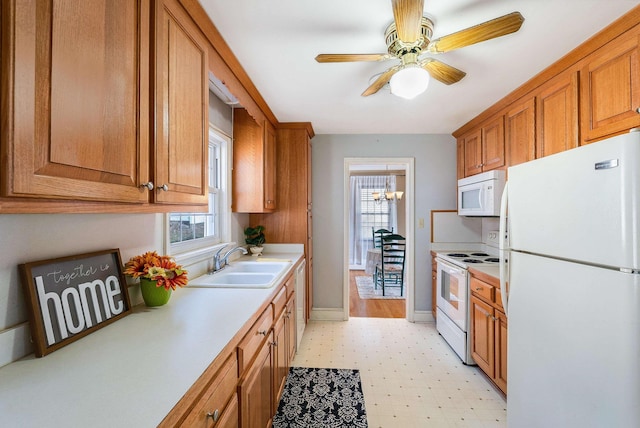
571	281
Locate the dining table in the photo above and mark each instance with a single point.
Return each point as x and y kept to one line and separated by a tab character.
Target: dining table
374	257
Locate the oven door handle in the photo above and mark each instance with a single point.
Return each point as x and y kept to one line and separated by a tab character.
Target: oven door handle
454	271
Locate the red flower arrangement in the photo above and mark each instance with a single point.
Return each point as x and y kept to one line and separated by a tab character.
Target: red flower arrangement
162	269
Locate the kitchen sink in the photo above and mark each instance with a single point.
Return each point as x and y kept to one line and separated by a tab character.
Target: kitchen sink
247	274
259	267
235	280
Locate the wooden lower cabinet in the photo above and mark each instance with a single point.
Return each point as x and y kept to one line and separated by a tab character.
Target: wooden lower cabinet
229	418
242	386
256	389
489	332
434	285
280	357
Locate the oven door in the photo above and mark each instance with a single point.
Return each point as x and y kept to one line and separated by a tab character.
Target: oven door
452	292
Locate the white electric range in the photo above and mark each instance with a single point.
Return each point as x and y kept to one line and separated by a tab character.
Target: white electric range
453	294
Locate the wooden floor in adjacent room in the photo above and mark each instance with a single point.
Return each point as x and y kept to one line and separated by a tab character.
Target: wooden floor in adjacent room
372	308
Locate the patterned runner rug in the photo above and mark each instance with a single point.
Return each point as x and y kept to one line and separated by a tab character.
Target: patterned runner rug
366	290
321	398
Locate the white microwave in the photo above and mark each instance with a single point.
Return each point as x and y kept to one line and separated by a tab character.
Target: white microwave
479	195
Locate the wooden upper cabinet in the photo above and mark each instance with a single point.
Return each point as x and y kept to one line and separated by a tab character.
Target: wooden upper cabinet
520	132
460	158
483	148
493	144
269	166
254	164
472	144
75	93
610	88
557	114
181	113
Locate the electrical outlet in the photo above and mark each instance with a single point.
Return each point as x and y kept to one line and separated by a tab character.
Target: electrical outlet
493	237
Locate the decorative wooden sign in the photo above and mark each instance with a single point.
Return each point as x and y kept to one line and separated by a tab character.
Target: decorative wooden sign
73	296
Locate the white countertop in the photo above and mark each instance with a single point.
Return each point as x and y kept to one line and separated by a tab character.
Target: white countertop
492	270
131	372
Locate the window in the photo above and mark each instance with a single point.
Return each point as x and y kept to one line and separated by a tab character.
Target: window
191	231
373	215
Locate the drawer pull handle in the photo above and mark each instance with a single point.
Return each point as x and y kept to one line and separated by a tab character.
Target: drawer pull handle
478	288
262	332
215	415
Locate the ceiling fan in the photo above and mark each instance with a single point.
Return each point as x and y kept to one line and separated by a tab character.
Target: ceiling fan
409	36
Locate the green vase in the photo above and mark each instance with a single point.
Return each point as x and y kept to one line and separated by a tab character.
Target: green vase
152	294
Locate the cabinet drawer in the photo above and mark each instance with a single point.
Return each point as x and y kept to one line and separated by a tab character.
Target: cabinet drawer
251	342
212	404
482	289
499	299
230	417
291	287
280	301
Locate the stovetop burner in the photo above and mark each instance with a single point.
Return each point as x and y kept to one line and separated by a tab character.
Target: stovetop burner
480	254
472	261
492	260
458	255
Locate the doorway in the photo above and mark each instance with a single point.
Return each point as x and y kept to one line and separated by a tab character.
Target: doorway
379	166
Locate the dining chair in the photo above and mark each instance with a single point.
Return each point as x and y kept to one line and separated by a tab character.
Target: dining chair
389	272
378	234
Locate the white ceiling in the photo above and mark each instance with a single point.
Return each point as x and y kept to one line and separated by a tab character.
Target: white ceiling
276	42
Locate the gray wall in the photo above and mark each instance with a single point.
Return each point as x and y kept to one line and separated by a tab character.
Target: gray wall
435	184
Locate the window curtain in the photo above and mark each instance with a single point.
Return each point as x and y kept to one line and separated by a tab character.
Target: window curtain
365	214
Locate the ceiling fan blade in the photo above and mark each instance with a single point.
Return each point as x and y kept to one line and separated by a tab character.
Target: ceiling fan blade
382	80
501	26
408	17
352	57
443	72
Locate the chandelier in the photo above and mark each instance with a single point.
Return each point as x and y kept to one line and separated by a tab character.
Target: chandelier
387	195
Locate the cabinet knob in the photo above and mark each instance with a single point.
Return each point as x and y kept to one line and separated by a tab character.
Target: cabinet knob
262	332
638	110
148	185
478	288
215	415
164	187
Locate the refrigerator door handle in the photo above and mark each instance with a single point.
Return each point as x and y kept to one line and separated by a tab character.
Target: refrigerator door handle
504	247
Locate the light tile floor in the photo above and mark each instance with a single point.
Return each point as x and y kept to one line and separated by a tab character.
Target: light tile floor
410	376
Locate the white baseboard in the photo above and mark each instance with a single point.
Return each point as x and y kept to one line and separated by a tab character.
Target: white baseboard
327	314
15	343
423	316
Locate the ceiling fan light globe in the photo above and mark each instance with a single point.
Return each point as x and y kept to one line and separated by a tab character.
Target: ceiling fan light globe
409	82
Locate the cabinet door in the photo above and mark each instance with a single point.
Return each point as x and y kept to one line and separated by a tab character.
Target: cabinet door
557	115
473	153
610	88
434	287
229	418
254	164
460	158
500	372
279	359
256	409
482	330
269	167
520	132
77	100
182	96
493	144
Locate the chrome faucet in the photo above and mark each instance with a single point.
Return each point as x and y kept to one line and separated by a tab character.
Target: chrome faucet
220	262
